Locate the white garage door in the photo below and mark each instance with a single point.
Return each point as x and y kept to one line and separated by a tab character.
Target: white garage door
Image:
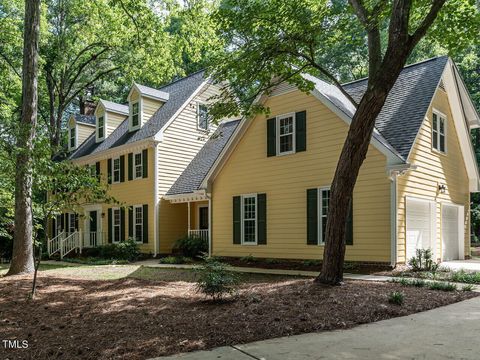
452	232
420	226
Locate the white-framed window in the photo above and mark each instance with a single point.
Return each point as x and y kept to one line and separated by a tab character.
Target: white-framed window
71	223
101	127
138	223
439	131
72	138
116	170
249	219
323	204
137	165
285	134
135	114
116	225
202	116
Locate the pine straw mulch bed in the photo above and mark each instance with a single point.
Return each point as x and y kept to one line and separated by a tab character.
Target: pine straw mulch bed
137	319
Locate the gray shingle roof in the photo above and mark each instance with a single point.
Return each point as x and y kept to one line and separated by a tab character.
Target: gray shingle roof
151	92
115	107
195	172
406	105
85	119
179	91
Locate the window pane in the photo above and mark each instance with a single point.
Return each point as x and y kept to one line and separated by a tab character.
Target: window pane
442	126
249	231
135	109
138	233
249	219
442	143
135	120
324	214
285	134
202	116
435	140
435	124
72	137
286	143
100	127
286	126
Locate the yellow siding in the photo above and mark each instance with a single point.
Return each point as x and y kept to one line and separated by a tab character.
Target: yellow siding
173	224
434	169
149	107
285	180
84	131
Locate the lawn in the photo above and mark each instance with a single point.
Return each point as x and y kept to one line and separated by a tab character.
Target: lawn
132	312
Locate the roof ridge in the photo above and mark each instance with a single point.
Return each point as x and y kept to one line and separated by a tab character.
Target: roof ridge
180	79
405	67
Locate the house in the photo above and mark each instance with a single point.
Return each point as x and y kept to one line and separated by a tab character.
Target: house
140	148
269	186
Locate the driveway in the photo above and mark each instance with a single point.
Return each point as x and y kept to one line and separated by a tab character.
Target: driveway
472	265
449	332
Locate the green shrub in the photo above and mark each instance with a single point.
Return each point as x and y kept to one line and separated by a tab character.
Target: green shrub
465	277
191	246
272	261
127	250
443	286
410	282
216	280
396	297
311	262
468	287
95	261
247	259
423	261
172	260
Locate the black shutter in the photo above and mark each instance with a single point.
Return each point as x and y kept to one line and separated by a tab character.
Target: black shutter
271	137
110	220
62	222
312	216
122	168
130	166
301	131
349	225
262	219
237	220
109	170
67	222
130	222
122	224
145	224
97	169
53	225
76	221
145	163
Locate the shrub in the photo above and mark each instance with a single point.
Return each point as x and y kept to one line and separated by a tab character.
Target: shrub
423	261
172	260
442	286
272	261
247	259
216	280
191	246
468	287
311	262
465	277
127	250
396	297
410	282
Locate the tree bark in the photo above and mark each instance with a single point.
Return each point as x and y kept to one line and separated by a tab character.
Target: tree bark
22	259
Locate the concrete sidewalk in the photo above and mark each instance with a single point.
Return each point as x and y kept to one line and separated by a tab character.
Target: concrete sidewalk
449	332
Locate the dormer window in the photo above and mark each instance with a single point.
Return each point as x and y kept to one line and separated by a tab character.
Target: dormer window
101	127
202	116
135	115
72	138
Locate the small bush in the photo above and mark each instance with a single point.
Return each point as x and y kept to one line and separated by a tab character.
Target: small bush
191	246
216	280
410	282
272	261
468	287
349	266
127	250
311	262
442	286
465	277
396	297
423	261
95	261
172	260
247	259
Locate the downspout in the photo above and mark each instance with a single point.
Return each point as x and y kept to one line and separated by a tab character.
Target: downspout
393	218
156	217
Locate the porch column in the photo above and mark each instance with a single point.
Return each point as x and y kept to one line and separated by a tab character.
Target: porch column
189	218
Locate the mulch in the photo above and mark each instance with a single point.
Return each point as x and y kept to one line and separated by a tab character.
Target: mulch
138	319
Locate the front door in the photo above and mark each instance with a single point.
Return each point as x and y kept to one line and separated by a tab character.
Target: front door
93	227
203	218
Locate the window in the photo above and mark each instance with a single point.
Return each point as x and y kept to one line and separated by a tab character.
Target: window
72	220
116	170
135	115
249	219
138	223
137	166
439	124
101	127
324	201
93	170
202	117
286	134
116	225
73	138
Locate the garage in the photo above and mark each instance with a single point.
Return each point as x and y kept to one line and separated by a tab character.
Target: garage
452	232
420	226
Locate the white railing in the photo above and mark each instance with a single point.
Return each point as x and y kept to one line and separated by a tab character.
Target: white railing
53	245
202	234
70	243
94	239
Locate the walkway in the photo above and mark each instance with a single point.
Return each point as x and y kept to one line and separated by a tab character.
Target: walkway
449	332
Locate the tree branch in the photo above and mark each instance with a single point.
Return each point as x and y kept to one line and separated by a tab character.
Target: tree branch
426	23
7	60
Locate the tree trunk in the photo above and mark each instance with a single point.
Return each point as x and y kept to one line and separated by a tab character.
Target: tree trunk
351	159
22	259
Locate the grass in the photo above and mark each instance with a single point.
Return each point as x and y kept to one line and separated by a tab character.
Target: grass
465	277
460	276
173	260
95	261
443	286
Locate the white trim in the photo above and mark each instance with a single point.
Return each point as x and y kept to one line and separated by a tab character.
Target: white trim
164	98
113	225
134	225
76	136
320	240
134	169
278	118
86	223
209	227
119	170
197	215
139	114
116	151
242	219
159	135
393	219
440	116
156	202
97	128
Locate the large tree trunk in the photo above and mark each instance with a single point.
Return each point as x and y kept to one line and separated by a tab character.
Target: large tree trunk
22	259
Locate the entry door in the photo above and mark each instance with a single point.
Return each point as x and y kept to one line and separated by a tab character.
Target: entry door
452	234
420	226
203	218
93	231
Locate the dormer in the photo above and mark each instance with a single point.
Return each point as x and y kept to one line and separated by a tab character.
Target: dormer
109	116
80	127
143	102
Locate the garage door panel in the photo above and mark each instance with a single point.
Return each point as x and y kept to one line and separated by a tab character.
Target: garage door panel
452	232
420	219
